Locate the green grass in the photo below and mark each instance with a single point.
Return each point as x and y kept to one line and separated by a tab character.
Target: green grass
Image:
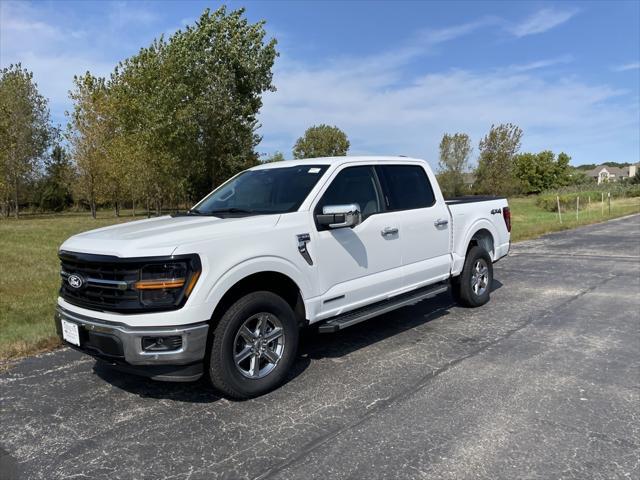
530	221
29	268
30	278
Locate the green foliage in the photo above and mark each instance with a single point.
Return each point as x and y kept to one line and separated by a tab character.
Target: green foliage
455	151
274	157
549	201
53	192
176	119
635	180
537	172
25	131
496	166
321	141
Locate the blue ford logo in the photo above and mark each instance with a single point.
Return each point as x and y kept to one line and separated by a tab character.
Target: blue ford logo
75	281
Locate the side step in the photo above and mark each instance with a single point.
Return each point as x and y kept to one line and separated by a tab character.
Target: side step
361	314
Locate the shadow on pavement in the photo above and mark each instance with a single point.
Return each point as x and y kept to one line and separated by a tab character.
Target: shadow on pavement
313	346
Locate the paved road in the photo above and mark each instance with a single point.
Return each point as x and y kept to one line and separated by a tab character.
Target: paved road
543	382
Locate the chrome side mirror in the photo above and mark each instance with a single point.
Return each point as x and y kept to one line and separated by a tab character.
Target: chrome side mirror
340	216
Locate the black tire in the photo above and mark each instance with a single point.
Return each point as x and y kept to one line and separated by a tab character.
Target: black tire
225	375
462	287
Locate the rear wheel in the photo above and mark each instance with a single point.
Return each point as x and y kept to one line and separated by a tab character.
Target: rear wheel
473	286
253	346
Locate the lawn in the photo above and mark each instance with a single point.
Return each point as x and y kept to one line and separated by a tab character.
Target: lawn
29	273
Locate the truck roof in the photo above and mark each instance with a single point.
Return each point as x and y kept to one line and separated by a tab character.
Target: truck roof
335	161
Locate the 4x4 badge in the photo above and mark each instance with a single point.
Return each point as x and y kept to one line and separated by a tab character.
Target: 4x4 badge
303	239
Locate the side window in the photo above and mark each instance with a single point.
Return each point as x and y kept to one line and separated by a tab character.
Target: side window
353	185
407	187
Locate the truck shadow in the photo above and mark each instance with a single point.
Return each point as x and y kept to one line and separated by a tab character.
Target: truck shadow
313	346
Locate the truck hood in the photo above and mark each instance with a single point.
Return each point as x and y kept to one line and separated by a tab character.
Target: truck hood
161	236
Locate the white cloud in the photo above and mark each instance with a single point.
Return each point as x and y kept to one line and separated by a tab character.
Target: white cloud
387	112
627	66
44	42
539	64
541	21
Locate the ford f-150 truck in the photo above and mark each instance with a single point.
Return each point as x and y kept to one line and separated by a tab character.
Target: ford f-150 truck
224	289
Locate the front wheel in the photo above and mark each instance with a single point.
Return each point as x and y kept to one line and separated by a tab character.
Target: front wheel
254	346
473	286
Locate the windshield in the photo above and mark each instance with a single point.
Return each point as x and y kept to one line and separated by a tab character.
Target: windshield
272	190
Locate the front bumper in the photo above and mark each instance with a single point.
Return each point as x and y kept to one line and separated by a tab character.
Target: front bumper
121	345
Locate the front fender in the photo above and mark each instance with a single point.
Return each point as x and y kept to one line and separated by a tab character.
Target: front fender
257	265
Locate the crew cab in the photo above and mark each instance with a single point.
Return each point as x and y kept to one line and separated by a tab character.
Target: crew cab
224	289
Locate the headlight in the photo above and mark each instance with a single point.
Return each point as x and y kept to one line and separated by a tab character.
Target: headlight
167	284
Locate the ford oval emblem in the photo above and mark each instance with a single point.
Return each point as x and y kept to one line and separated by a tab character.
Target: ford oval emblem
75	281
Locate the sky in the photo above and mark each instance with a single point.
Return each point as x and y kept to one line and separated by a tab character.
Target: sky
395	76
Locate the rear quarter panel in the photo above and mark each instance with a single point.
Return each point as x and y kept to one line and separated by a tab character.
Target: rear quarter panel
470	218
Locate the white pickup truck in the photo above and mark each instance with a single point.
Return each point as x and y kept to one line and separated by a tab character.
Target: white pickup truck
223	290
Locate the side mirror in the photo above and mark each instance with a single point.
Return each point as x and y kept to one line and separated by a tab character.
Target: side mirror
339	216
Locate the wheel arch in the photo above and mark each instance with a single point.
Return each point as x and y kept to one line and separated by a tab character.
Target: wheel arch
481	233
245	280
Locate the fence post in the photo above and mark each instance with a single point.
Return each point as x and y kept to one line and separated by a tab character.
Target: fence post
559	213
577	206
602	204
609	201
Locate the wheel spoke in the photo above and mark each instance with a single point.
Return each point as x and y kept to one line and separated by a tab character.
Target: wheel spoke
259	326
247	334
273	335
243	355
272	356
254	368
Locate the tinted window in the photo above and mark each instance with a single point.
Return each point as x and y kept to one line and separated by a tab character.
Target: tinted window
407	187
272	190
353	185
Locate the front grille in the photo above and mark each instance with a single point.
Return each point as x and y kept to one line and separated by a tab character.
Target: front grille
106	282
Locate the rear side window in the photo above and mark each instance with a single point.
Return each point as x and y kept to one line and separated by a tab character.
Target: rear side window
406	187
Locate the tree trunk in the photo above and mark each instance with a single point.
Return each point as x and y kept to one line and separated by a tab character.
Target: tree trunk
116	206
133	205
148	211
15	198
92	202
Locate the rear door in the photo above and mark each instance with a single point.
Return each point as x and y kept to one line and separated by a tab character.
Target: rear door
363	264
424	223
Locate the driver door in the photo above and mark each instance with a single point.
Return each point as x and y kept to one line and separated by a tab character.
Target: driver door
361	264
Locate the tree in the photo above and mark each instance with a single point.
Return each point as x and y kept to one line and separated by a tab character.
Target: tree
54	190
537	172
495	172
455	151
321	141
177	118
274	157
192	102
88	135
25	131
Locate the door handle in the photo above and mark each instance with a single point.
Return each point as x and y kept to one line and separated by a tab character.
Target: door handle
441	222
389	231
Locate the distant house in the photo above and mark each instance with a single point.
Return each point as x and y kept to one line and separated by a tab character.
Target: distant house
605	173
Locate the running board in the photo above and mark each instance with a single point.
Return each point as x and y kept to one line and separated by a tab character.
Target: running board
361	314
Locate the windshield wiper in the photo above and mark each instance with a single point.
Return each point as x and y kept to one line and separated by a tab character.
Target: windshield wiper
194	211
229	210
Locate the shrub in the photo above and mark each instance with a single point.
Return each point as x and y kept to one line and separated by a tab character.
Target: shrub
549	201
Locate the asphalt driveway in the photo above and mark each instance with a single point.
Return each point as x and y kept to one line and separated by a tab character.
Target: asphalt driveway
543	382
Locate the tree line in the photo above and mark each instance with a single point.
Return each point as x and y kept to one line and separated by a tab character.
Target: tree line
502	169
175	120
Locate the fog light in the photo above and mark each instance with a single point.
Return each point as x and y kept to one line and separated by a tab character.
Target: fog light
161	344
